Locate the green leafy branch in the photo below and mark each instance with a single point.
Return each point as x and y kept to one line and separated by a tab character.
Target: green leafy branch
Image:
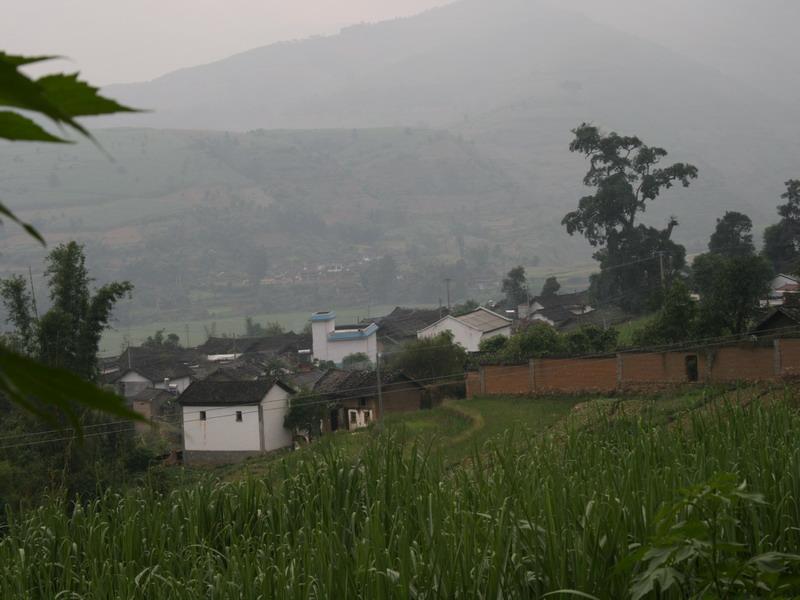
60	97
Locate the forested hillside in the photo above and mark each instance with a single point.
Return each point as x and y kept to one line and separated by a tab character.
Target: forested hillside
438	140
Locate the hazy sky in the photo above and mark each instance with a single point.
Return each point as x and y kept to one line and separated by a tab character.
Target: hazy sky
130	40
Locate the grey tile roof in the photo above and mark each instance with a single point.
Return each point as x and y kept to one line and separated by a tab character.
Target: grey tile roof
227	393
484	320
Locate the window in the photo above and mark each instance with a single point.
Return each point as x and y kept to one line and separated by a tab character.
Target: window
238	416
367	416
202	415
353	417
362	402
692	373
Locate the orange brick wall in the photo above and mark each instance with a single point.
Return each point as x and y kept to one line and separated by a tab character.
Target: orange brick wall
790	357
743	364
661	367
505	379
473	383
575	375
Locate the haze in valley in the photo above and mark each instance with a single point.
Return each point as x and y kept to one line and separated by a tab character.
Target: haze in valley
432	133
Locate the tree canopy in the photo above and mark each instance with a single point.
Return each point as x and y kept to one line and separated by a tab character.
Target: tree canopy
626	175
514	286
160	341
732	236
550	287
68	334
782	240
430	358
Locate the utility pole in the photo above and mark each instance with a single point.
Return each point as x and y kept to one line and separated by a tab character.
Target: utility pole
188	345
380	387
447	282
33	294
661	267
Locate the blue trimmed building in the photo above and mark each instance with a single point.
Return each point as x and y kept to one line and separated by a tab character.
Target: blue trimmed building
333	343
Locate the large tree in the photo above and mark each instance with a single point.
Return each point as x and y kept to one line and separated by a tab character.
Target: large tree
626	175
782	240
550	287
731	289
68	334
515	286
732	236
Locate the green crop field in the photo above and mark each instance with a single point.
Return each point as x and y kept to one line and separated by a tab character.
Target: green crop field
693	495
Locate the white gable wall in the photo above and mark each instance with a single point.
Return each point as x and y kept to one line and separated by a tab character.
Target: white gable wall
337	350
131	383
220	431
179	384
466	337
274	408
505	332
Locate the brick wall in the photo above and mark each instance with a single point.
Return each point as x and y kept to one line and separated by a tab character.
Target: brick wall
742	364
659	368
790	357
507	379
632	371
473	383
575	375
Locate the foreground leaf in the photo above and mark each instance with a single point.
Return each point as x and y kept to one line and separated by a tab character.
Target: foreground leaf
39	389
15	127
30	229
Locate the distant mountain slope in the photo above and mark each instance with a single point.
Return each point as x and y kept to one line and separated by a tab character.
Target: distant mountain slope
514	76
754	41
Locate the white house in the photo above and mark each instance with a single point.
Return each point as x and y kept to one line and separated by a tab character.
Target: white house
332	343
227	421
471	329
166	374
781	285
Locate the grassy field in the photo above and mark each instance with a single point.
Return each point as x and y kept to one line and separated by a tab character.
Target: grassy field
114	340
689	495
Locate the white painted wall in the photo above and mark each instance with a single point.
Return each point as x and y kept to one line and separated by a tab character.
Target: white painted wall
505	332
358	418
274	408
319	337
339	349
220	431
467	337
179	384
131	383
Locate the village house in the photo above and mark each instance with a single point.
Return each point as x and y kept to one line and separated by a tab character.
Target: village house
161	409
782	321
353	396
576	303
471	329
782	286
144	368
555	316
228	421
402	325
284	345
332	344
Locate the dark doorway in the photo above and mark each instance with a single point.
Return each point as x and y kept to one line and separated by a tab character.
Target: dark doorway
692	373
335	420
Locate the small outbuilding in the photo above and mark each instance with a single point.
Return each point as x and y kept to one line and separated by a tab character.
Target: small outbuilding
228	421
353	397
471	329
